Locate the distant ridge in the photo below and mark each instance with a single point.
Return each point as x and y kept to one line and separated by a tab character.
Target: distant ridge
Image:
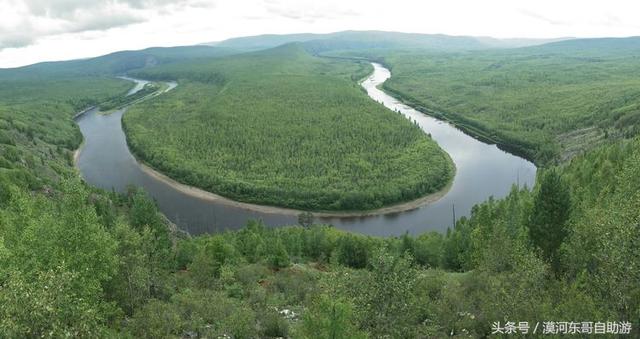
378	39
122	61
593	46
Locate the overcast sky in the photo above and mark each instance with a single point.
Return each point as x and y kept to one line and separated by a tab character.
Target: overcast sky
41	30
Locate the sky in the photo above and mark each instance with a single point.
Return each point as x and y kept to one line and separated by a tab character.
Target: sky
44	30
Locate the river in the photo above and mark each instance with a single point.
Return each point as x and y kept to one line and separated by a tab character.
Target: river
482	171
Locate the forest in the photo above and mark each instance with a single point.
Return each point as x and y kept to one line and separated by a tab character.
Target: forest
280	127
546	103
81	262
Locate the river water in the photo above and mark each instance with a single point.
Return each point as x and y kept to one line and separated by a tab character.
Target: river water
482	170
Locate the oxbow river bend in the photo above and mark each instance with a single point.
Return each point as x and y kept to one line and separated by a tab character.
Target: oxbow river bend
483	170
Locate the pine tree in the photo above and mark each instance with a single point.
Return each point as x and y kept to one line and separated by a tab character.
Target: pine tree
551	210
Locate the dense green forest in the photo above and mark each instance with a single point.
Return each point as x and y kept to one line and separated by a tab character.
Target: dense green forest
84	263
281	127
37	132
81	262
546	102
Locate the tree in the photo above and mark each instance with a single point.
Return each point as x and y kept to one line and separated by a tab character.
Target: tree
214	253
48	304
277	255
249	241
551	210
143	210
353	250
385	302
131	286
305	219
60	258
330	318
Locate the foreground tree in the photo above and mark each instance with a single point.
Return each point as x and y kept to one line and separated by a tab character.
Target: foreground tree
330	318
551	210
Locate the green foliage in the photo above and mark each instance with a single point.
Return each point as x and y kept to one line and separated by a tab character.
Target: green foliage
143	210
48	304
551	211
353	251
199	313
214	253
277	255
281	127
547	102
385	298
58	259
275	325
305	219
332	319
427	249
81	262
602	251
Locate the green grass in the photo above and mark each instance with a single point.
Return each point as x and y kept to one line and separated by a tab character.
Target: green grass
281	127
528	100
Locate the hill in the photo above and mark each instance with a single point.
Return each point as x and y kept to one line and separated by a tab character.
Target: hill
591	47
350	40
118	63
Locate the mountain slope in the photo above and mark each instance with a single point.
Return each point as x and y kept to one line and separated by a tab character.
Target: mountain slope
119	62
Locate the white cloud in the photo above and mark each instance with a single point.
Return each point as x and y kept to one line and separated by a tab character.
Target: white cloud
27	21
37	30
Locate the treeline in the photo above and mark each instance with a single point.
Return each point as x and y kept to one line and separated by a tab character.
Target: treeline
285	129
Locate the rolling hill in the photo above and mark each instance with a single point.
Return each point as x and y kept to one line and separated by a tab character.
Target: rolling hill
350	40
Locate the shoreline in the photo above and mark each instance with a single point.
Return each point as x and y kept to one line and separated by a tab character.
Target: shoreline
76	155
472	131
209	196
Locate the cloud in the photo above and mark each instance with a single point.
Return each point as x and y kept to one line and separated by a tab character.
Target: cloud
37	19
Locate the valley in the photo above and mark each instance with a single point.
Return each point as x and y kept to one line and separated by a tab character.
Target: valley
357	184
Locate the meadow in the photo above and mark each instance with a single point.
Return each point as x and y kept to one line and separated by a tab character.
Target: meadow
283	128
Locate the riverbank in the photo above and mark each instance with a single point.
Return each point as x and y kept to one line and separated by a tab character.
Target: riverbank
465	125
206	195
481	171
213	197
469	127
